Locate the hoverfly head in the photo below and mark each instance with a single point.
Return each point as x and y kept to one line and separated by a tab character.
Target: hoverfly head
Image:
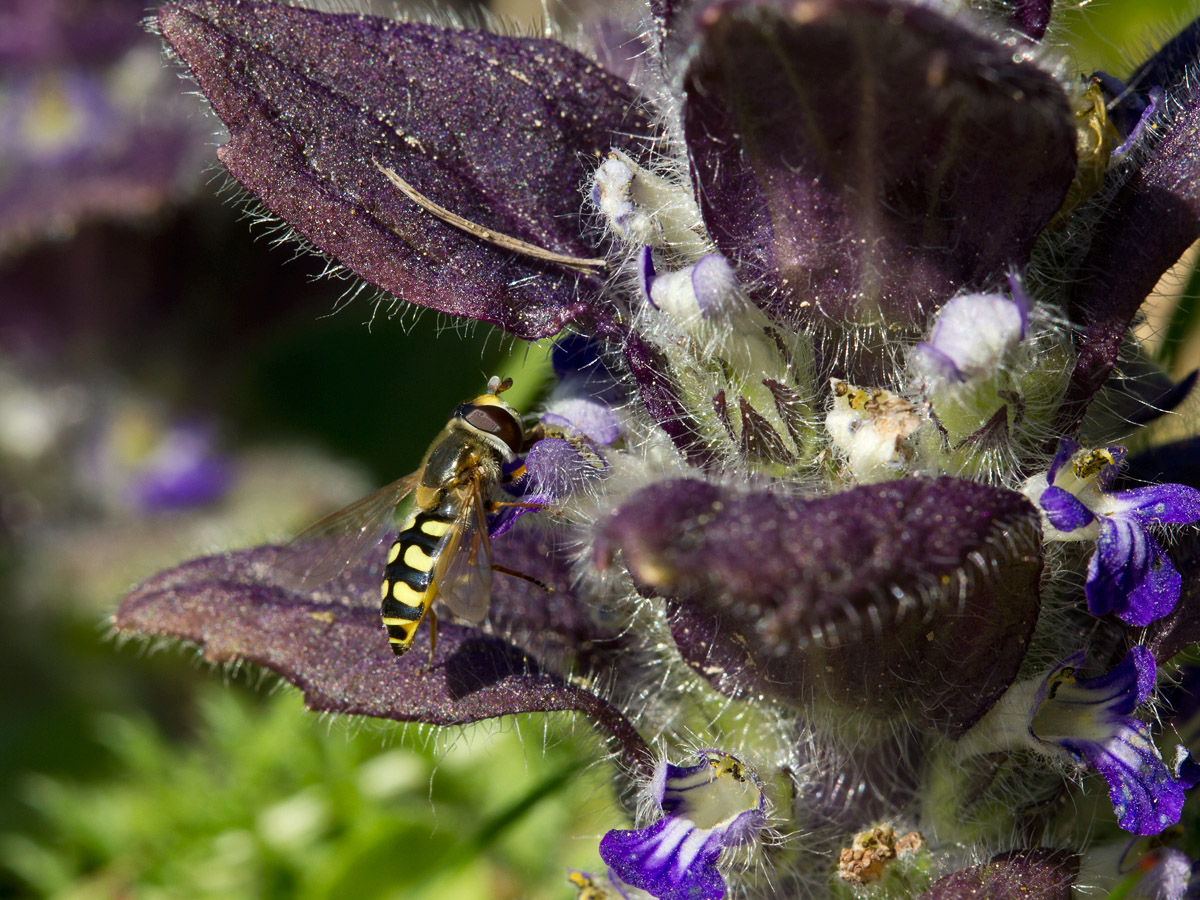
491	415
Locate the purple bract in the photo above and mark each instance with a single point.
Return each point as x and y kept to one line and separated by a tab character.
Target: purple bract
837	290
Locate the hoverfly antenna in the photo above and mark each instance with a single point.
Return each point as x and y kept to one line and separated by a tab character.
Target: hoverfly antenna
496	386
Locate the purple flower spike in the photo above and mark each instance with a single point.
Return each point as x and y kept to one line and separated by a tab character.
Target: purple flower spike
826	193
714	804
183	470
79	140
1130	574
1089	720
495	129
141	463
36	32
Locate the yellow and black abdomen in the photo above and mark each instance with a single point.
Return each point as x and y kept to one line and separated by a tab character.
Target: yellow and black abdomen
407	580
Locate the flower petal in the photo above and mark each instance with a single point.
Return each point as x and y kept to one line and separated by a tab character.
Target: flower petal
971	337
926	166
329	643
1040	874
1158	504
1145	797
496	129
1167	874
649	859
557	468
918	595
715	804
1064	510
1090	719
1130	574
1067	448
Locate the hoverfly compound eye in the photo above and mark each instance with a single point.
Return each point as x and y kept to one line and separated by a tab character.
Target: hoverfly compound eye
498	421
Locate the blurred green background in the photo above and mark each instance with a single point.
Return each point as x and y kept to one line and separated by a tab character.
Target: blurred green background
136	771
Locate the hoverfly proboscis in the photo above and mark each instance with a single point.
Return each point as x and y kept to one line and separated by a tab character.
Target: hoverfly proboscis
443	551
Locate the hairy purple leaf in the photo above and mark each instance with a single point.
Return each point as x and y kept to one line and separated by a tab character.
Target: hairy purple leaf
864	160
1032	17
1174	633
1168	67
917	596
499	130
330	643
1149	224
1040	874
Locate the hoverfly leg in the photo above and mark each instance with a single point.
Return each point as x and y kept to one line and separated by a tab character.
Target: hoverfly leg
496	505
532	436
432	616
505	570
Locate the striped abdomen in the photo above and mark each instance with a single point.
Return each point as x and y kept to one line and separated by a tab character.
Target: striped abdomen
406	580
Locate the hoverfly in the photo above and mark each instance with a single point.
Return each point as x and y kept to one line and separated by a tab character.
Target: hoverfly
443	551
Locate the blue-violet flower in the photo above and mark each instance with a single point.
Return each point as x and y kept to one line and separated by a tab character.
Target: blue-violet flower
1129	574
1089	720
714	804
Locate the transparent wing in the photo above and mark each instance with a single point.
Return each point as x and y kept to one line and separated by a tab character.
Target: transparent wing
463	575
324	550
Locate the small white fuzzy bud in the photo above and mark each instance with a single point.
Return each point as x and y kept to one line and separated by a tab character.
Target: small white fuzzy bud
971	338
646	209
708	302
612	192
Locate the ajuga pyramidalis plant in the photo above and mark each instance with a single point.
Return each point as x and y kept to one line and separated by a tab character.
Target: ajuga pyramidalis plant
844	552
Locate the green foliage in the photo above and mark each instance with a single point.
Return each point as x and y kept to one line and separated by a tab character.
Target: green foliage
1183	324
267	801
